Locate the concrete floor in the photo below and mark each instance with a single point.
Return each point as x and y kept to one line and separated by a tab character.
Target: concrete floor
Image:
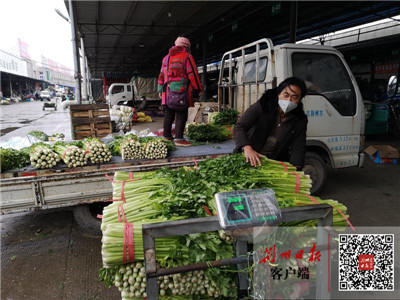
19	118
45	255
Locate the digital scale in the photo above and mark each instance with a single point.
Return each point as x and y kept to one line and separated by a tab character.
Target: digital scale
247	208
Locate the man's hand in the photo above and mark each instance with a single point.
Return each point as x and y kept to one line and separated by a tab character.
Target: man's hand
160	94
252	156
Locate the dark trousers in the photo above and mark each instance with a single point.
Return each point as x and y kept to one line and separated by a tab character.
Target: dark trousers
180	118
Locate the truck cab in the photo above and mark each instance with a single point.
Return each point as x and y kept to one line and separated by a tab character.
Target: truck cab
333	105
141	91
119	93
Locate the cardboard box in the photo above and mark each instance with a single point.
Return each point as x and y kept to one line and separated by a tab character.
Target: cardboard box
382	151
199	113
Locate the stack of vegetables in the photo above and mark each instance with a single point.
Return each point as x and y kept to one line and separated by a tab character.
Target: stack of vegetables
96	150
72	155
227	116
133	147
168	194
142	117
219	128
42	156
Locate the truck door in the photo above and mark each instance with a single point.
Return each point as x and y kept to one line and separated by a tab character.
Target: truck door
333	104
117	93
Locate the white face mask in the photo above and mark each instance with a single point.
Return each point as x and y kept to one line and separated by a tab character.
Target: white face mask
287	105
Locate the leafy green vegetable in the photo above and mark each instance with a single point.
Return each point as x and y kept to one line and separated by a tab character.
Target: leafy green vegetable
39	135
115	144
14	159
206	133
226	117
184	193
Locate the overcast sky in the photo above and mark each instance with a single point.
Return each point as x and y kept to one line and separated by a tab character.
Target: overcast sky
36	23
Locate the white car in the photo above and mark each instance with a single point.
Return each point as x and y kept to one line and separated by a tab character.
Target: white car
45	95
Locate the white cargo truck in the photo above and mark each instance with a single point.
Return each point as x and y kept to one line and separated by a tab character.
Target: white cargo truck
334	104
133	93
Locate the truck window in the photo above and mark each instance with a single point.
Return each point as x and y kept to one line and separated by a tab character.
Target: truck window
117	89
128	88
250	70
325	74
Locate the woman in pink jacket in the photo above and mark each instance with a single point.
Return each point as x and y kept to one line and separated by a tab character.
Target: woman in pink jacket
176	82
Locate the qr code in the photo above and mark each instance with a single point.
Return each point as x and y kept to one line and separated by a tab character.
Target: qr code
366	262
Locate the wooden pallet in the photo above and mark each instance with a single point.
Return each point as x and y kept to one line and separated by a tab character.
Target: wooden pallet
90	120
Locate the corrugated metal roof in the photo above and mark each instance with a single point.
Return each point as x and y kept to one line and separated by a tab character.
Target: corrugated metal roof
133	36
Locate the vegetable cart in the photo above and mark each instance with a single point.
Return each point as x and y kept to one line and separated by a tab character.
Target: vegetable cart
84	188
52	105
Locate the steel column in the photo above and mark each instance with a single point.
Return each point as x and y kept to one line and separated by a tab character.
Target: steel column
75	51
293	22
203	97
84	72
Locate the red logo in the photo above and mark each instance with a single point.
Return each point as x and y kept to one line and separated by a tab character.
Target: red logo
365	262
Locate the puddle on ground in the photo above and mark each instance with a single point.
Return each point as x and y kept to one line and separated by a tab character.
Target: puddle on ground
7	130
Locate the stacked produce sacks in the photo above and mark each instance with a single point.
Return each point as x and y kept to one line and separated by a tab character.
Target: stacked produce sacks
142	117
167	194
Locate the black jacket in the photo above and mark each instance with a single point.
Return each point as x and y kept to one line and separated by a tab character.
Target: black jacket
255	125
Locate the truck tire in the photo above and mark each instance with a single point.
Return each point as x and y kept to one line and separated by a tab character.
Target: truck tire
85	217
315	166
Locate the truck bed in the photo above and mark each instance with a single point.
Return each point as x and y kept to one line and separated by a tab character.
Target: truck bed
31	189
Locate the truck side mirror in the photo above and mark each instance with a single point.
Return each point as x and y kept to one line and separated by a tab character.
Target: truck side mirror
392	86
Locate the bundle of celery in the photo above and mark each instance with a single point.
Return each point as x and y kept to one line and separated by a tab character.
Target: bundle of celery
42	157
97	151
156	149
73	156
131	281
183	193
132	149
114	242
135	206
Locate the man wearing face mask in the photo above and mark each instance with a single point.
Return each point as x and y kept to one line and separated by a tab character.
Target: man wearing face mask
275	126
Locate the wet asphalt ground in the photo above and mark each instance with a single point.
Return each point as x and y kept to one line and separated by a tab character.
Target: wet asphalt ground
45	255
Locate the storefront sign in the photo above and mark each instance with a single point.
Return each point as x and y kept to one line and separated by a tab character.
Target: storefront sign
386	68
12	64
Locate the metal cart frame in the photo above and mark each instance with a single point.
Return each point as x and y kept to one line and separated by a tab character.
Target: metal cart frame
322	212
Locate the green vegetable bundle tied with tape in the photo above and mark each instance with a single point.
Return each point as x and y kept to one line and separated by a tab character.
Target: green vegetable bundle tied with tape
133	147
166	194
42	156
72	155
96	150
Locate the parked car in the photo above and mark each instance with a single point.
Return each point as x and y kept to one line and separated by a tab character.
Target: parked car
45	95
